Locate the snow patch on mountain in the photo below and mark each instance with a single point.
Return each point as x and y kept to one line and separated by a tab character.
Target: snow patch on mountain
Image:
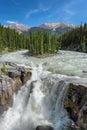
55	25
18	27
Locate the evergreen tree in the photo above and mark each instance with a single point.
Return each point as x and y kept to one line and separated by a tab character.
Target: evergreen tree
83	45
37	43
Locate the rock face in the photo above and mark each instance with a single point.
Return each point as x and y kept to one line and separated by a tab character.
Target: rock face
76	104
44	128
3	108
11	81
18	27
56	25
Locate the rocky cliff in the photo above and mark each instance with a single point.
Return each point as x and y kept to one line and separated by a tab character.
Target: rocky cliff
76	103
12	77
18	27
55	25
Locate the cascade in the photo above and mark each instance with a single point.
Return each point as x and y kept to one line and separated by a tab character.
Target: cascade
41	106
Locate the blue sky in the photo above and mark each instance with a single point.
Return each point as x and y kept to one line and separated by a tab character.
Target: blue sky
36	12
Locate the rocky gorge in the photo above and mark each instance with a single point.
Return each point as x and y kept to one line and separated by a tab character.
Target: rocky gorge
57	101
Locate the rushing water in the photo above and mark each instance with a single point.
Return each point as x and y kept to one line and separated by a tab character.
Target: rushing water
44	105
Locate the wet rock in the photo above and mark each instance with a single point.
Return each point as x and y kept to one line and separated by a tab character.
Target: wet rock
7	88
25	75
42	127
11	81
84	71
32	85
82	117
3	108
14	73
76	104
45	64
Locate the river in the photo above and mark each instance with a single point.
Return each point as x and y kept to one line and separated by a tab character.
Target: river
44	106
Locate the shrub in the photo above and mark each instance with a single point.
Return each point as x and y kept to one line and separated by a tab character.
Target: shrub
4	69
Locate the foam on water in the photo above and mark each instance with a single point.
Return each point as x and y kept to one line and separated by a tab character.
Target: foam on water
38	107
43	105
65	62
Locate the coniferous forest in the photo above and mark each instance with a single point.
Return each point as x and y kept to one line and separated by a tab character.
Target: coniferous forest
40	43
75	39
37	43
11	40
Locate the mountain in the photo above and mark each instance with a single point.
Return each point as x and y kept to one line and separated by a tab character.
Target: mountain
36	29
55	25
18	27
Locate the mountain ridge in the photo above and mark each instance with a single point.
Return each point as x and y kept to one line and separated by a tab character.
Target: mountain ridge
54	25
18	26
57	27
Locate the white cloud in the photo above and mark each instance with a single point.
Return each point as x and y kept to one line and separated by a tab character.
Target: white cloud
11	22
34	11
69	10
64	12
28	14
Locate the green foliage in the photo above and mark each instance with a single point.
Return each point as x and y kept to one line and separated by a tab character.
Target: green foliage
38	43
42	43
83	44
11	40
75	39
4	69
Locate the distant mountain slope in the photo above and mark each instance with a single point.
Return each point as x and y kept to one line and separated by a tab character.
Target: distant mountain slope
57	28
18	27
56	25
36	29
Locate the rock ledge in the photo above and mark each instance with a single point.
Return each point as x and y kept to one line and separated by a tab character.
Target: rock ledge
11	81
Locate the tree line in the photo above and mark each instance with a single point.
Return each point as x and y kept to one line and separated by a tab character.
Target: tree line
11	40
37	43
75	39
41	43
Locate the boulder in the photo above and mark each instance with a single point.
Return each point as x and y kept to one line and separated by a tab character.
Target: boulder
44	127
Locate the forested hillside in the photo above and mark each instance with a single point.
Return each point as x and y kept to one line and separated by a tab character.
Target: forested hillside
11	40
37	43
57	31
42	42
76	39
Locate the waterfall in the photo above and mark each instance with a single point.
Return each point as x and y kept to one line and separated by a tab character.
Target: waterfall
54	101
39	102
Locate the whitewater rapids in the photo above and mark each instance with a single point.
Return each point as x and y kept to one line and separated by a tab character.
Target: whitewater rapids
44	104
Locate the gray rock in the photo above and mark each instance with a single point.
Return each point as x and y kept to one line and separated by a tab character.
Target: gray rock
3	108
14	73
76	104
11	82
46	127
